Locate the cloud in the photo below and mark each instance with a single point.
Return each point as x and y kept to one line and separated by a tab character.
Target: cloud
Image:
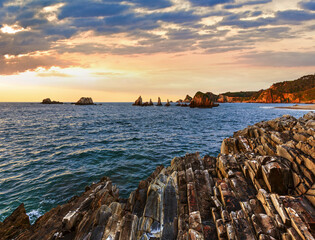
156	4
148	27
308	5
53	74
82	9
209	3
30	63
239	5
295	15
280	59
288	17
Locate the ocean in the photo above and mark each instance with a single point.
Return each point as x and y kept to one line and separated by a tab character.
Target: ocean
49	153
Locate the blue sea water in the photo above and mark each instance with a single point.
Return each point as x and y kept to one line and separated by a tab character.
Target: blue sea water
49	153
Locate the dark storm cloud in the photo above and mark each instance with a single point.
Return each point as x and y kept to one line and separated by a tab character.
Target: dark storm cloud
308	5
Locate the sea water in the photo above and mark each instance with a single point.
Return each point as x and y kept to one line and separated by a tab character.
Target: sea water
49	153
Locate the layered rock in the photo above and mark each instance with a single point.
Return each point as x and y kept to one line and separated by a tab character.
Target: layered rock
15	224
203	100
48	101
261	186
85	101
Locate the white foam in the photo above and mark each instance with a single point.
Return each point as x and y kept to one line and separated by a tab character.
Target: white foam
34	214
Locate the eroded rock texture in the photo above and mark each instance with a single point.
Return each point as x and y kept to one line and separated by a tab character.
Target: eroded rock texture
260	187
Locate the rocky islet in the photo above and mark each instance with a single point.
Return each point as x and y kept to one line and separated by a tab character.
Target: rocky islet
85	101
261	186
49	101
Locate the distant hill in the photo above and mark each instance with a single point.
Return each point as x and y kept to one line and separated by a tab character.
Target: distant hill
301	90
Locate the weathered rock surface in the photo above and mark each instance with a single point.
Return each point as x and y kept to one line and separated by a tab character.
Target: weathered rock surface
16	223
261	186
203	100
48	101
85	101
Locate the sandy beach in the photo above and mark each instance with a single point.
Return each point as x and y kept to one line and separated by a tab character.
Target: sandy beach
300	107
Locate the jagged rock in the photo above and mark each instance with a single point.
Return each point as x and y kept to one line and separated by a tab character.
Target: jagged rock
167	103
138	102
187	99
203	100
16	223
244	193
159	102
85	101
151	103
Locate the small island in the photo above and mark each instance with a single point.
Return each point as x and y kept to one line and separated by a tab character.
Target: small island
85	101
48	101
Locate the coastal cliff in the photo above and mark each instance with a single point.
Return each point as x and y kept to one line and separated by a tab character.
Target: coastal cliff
301	90
261	186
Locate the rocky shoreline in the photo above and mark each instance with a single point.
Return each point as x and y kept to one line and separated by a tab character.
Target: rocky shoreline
260	187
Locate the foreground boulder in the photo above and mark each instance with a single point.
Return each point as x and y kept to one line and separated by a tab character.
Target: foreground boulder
85	101
48	101
203	100
261	186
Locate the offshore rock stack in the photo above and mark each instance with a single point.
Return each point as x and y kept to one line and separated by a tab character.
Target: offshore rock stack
85	101
260	187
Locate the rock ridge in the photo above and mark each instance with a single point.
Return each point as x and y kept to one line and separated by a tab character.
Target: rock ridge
261	186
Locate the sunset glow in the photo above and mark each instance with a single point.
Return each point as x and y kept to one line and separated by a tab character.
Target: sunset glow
117	50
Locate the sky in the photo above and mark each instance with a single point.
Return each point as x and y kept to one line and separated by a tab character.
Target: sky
114	51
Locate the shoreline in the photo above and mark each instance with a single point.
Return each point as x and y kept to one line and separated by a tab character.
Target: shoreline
310	107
